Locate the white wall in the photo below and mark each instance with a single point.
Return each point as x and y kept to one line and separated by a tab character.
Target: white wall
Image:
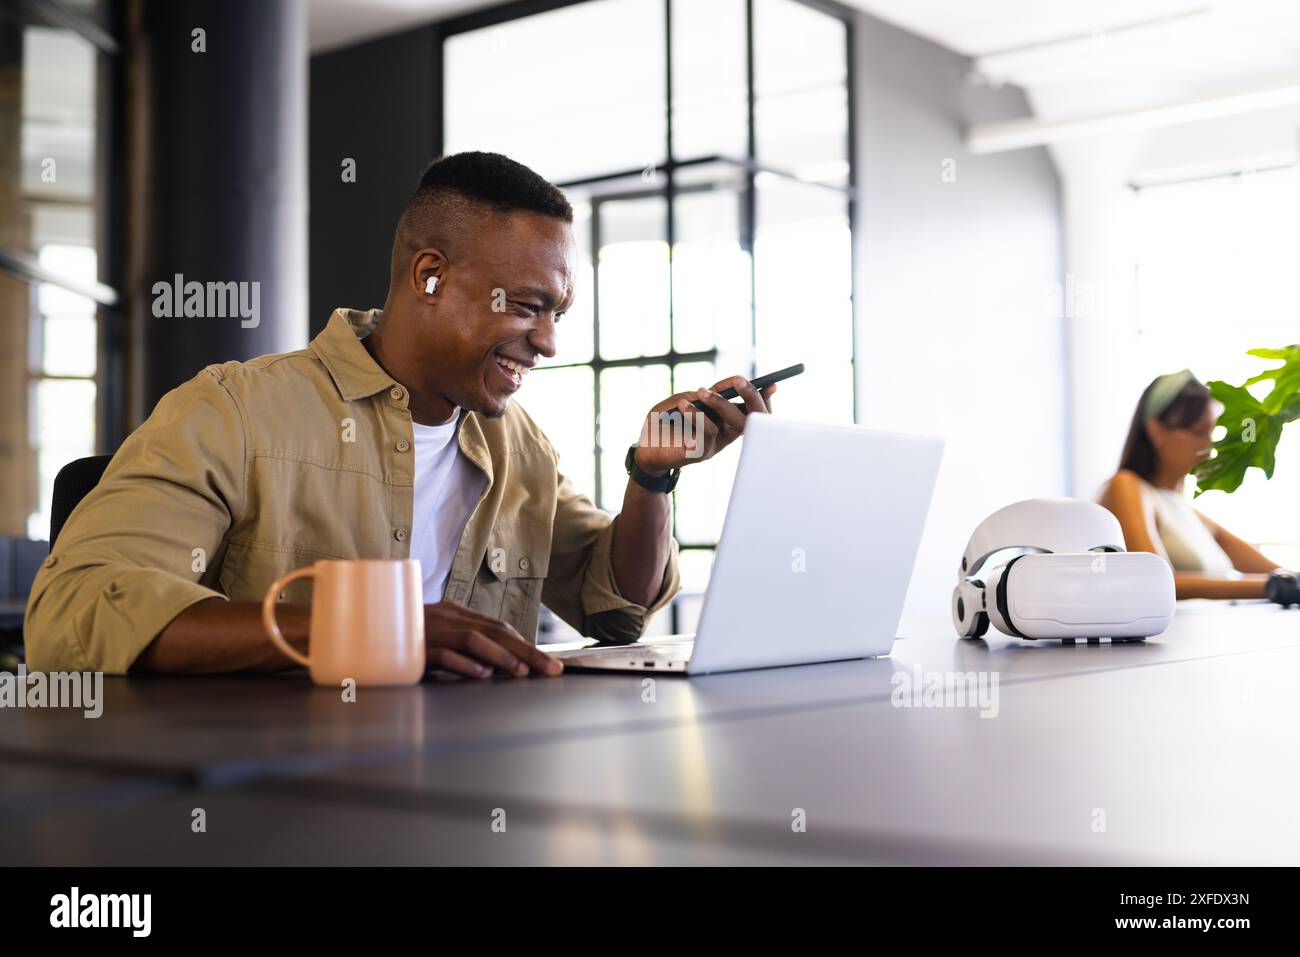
955	338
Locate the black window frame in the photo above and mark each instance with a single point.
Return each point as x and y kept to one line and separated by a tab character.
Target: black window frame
747	165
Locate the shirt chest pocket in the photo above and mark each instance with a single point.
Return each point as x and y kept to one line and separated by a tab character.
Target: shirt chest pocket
509	582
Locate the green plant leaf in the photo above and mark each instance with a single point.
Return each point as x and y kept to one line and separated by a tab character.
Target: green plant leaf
1291	411
1286	377
1284	353
1252	426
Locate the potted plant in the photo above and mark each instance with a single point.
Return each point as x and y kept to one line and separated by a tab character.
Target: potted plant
1252	426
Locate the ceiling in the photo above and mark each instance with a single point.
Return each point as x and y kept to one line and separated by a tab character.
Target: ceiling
1126	50
340	23
1117	65
1074	58
1078	56
991	26
967	27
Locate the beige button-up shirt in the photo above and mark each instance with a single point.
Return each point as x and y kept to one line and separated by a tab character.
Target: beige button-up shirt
252	469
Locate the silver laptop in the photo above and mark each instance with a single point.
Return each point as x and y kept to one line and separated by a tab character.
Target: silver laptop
816	553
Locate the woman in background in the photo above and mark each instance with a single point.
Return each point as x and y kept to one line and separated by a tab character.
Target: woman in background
1170	433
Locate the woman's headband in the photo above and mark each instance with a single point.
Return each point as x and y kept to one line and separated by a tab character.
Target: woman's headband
1163	392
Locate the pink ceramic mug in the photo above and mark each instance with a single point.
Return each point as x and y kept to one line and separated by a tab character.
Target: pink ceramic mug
367	622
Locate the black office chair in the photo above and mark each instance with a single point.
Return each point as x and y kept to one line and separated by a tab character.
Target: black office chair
19	560
71	485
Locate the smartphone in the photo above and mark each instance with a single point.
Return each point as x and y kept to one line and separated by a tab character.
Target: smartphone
760	383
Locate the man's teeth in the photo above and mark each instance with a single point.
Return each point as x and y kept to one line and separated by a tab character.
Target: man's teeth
519	369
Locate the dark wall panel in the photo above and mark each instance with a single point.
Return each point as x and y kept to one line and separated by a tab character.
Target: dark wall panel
378	104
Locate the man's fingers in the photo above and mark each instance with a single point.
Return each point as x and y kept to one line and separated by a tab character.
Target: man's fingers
710	416
705	421
490	652
753	401
524	651
732	418
529	653
508	648
449	660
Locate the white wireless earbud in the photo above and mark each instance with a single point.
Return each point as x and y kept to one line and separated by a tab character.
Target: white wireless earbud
432	285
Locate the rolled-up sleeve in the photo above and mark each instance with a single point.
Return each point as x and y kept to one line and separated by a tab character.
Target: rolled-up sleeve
136	552
580	586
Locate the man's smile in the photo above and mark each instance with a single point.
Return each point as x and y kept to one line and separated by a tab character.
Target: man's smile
512	370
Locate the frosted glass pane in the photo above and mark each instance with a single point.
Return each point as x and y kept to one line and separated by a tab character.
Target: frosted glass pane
68	346
570	93
77	264
57	135
803	284
633	278
65	415
695	565
562	403
701	500
626	395
695	375
711	281
709	84
63	429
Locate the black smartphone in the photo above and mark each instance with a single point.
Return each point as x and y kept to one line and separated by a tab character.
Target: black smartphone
760	383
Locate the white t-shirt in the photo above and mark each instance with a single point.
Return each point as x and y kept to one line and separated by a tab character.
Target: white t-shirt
447	487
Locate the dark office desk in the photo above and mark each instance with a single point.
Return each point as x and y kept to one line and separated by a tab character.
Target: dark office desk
1176	750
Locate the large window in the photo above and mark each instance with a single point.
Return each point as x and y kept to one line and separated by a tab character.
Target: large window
705	145
50	290
1216	276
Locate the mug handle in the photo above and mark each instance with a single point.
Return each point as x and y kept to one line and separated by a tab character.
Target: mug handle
268	614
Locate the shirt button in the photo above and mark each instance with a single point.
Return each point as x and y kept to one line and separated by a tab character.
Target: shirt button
49	561
523	564
397	393
400	534
403	445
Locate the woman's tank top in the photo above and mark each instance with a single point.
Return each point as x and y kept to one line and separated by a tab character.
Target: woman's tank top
1188	542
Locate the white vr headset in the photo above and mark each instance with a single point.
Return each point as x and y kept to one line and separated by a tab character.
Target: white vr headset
1056	568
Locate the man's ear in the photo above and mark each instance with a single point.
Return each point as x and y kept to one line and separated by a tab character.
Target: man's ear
428	272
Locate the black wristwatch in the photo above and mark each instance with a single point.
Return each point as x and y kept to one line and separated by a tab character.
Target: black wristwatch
654	483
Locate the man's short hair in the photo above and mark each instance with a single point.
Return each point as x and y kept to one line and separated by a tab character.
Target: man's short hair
496	181
457	190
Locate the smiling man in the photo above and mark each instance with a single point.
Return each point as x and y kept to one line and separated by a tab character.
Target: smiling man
395	434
